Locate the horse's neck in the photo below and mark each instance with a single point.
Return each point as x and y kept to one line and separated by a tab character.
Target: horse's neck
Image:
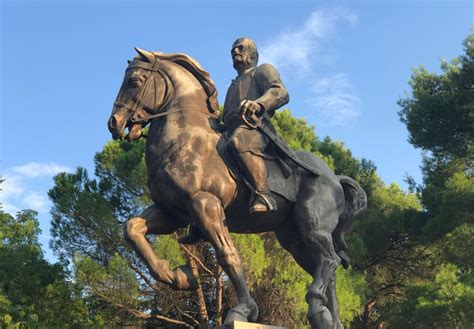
193	119
188	93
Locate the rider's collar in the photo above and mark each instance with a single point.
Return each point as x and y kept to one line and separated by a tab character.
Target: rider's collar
244	74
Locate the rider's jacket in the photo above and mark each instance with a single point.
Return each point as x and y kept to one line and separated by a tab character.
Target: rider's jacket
261	84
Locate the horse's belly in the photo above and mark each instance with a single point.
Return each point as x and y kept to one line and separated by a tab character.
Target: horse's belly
238	219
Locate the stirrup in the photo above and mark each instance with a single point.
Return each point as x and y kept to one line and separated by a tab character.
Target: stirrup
264	200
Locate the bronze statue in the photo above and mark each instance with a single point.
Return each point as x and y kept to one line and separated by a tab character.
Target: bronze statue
190	183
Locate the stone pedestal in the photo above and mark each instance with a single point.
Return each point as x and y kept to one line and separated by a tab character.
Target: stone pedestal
247	325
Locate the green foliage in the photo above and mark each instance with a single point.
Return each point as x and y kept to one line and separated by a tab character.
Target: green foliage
109	281
389	216
277	283
344	162
251	249
34	293
295	131
351	291
83	217
167	247
446	302
124	162
456	205
438	114
457	247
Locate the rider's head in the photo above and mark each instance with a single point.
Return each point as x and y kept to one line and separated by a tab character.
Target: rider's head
244	54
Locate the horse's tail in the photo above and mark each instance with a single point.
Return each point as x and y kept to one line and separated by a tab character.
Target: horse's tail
356	203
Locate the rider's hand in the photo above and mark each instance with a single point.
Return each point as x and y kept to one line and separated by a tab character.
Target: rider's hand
249	108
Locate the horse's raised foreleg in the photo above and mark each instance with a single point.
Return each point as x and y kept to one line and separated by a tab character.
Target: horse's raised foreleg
209	215
155	221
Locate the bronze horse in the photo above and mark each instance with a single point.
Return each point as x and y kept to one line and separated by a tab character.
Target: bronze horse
190	183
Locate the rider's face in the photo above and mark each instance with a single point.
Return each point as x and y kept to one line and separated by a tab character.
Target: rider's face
242	55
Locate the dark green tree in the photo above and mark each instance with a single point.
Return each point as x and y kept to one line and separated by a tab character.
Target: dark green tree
33	292
439	117
439	112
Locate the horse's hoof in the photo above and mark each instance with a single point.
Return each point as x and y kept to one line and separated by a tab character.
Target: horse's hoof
234	315
320	319
247	312
184	278
253	316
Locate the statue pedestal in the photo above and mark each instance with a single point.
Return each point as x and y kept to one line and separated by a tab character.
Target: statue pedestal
247	325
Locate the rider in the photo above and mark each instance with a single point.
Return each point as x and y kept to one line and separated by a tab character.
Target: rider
256	90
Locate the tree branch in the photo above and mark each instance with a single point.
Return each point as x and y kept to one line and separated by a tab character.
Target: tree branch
204	267
186	315
138	313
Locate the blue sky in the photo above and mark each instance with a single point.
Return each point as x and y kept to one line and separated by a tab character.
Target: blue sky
345	65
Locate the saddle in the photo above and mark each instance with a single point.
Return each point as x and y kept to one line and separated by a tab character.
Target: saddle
282	176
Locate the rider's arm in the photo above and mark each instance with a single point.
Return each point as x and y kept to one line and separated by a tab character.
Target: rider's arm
274	94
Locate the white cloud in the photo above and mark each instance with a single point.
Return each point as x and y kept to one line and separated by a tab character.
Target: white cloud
335	101
36	201
11	186
9	208
35	169
294	49
24	186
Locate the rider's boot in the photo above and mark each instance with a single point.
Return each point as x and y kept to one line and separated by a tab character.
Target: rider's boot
255	171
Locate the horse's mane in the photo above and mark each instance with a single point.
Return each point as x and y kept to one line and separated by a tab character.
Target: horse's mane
191	65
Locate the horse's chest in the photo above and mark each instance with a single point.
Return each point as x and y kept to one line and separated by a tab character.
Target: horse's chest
181	167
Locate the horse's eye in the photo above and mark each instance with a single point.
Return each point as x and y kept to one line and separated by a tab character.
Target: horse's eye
135	82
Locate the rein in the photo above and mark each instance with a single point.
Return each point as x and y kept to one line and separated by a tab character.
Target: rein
139	120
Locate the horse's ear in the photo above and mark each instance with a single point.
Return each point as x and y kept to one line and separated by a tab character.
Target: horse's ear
146	55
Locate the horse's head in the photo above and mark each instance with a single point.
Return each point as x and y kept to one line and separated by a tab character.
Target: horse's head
141	94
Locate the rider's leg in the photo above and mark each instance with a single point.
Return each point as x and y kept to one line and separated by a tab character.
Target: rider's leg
155	221
246	146
209	215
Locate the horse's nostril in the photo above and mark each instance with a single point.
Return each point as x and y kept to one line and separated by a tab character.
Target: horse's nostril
112	123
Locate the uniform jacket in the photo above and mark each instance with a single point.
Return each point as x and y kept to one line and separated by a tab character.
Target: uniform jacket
261	84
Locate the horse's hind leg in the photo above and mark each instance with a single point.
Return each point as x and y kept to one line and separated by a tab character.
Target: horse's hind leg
209	215
326	262
155	221
332	302
291	240
316	216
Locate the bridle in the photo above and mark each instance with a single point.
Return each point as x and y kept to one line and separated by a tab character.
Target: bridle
137	114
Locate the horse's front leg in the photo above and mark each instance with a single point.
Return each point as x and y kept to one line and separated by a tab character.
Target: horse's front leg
155	221
209	215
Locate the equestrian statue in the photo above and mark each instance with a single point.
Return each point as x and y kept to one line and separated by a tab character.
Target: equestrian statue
236	176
